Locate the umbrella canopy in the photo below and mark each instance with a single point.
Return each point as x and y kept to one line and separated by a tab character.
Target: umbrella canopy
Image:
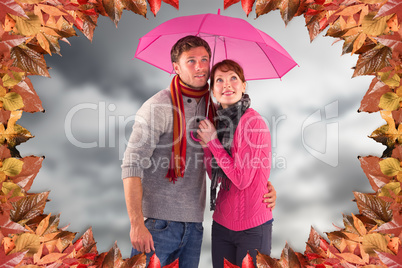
229	38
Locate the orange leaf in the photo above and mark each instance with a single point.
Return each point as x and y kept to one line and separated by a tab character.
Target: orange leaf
351	258
50	258
228	3
351	10
359	225
155	5
247	5
394	244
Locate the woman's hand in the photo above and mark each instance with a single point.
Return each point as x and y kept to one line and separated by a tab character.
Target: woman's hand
206	131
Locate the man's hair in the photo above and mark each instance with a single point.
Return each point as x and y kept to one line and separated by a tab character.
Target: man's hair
226	66
185	44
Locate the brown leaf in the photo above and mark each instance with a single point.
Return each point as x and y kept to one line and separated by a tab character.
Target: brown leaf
375	242
391	227
10	7
28	207
11	227
372	97
371	167
32	102
390	260
394	41
289	9
372	61
289	258
30	169
11	260
265	6
263	260
29	61
373	207
137	261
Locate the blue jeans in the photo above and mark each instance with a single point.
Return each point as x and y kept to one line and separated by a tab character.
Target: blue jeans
175	240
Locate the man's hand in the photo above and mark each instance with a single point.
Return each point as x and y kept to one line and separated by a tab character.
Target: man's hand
141	238
270	197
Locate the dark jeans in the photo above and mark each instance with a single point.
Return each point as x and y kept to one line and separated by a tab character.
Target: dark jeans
234	245
175	240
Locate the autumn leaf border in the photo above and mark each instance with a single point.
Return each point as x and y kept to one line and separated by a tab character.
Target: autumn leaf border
32	28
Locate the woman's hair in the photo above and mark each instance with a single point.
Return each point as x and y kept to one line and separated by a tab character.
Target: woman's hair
185	44
226	66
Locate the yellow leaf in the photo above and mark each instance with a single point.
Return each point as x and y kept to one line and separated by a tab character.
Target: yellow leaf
2	177
27	241
353	31
398	91
12	166
389	101
390	166
359	225
26	26
10	186
399	177
3	91
14	134
374	26
390	187
375	242
12	101
393	81
9	81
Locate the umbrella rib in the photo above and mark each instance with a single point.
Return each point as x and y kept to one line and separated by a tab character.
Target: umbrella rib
202	23
273	66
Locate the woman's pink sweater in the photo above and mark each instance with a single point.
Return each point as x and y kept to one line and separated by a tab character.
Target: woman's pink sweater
241	207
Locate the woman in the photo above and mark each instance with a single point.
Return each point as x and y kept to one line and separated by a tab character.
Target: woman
241	149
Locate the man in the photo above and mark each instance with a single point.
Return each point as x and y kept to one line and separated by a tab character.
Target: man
163	171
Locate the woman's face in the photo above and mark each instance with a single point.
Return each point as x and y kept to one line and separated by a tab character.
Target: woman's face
228	88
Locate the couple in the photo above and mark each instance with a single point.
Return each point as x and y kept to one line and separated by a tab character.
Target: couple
163	169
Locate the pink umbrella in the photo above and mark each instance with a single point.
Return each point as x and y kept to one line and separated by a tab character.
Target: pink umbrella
229	38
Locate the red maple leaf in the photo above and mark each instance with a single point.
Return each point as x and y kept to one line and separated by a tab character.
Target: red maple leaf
156	4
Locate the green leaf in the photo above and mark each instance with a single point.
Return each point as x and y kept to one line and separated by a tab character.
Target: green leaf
390	166
11	166
374	26
375	242
12	101
390	187
389	101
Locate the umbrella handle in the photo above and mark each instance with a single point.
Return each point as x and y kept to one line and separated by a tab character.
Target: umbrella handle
193	137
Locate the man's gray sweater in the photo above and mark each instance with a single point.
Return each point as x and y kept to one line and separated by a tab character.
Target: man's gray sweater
148	156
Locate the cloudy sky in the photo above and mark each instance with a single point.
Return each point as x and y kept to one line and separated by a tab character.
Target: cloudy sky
96	88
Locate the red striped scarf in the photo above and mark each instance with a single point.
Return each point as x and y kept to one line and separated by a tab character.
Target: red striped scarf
178	158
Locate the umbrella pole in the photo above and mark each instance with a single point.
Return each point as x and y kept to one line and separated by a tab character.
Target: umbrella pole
213	58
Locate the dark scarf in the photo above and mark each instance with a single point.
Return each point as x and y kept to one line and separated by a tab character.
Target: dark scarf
226	124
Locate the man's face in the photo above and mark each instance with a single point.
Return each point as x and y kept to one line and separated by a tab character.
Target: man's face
193	67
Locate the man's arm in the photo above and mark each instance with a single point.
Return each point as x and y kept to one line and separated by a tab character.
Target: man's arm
141	238
270	197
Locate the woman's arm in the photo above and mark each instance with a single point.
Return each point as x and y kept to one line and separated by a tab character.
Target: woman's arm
252	150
